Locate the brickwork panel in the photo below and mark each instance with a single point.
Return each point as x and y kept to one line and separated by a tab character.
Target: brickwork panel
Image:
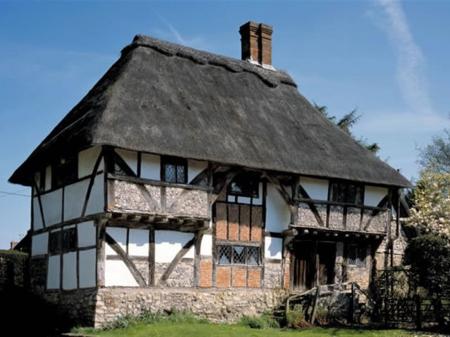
244	223
223	277
205	280
221	221
239	277
233	222
254	278
256	234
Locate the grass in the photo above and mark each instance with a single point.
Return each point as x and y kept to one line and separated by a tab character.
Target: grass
187	325
169	329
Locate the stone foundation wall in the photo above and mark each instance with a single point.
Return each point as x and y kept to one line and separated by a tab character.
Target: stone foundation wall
215	305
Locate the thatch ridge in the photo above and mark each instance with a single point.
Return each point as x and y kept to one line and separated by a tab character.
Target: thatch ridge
168	99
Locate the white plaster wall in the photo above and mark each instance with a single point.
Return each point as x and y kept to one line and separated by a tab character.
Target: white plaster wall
278	216
206	246
117	274
130	157
53	271
138	242
86	161
316	188
37	218
86	234
52	207
48	177
87	268
150	166
195	167
96	202
118	234
273	248
39	244
244	200
70	270
374	194
169	243
259	200
74	195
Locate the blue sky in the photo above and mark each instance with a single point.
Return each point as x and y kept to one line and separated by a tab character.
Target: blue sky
389	59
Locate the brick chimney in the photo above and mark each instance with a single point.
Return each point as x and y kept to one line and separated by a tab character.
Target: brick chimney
256	43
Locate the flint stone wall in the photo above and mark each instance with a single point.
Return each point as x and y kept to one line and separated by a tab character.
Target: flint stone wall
178	201
273	274
212	304
181	276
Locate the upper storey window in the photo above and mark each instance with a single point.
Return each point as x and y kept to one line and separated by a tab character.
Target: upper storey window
174	170
347	192
245	185
65	171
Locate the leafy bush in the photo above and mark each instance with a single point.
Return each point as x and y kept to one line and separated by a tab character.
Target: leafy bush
296	318
147	317
322	316
429	258
259	322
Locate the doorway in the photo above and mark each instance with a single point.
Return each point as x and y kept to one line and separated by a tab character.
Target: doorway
312	264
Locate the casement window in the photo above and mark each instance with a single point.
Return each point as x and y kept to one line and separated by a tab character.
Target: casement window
65	171
238	255
356	255
245	185
62	241
346	192
174	170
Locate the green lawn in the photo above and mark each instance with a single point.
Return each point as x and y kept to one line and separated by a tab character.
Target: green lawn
196	329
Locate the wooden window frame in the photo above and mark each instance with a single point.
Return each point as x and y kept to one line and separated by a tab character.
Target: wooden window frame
346	184
177	162
252	192
360	255
60	170
232	259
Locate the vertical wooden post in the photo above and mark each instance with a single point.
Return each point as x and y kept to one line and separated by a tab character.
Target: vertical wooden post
418	312
316	300
352	304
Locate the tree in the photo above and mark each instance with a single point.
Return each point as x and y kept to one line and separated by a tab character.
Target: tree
431	200
345	123
436	156
429	258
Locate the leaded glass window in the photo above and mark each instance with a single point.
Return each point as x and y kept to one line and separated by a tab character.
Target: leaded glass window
174	170
253	256
346	192
224	254
238	254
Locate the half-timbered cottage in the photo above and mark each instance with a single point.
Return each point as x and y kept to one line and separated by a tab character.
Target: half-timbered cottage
189	180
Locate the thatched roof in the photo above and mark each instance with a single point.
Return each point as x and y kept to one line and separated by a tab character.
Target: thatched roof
168	99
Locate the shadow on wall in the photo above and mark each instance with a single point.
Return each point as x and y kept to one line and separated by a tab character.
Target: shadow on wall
274	247
26	314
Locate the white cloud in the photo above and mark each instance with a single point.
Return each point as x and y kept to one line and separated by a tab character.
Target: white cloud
172	33
410	59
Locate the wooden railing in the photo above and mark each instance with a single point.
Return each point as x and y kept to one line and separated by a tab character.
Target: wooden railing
143	196
341	216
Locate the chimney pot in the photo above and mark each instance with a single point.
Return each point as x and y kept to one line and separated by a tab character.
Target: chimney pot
256	43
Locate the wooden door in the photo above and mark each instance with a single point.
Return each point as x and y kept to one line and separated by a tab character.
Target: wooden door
304	265
326	252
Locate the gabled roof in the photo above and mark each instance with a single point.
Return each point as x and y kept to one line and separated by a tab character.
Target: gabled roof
168	99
